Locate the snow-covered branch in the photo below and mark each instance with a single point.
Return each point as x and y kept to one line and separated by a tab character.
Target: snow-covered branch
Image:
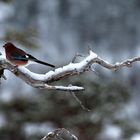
60	134
44	80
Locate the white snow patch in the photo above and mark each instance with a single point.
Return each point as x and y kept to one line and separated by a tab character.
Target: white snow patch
111	132
38	128
136	137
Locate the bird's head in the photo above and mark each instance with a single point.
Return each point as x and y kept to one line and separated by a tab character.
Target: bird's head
7	45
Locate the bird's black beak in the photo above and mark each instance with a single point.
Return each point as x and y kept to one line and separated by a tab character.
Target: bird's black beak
3	46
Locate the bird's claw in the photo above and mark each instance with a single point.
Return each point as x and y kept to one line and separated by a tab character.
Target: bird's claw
14	70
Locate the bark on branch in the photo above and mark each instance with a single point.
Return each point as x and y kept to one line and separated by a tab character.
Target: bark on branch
44	80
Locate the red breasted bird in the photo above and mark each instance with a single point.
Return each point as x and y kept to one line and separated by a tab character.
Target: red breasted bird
19	57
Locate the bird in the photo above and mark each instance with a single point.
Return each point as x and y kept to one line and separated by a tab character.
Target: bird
19	57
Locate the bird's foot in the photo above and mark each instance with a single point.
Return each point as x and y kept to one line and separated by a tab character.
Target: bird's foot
14	70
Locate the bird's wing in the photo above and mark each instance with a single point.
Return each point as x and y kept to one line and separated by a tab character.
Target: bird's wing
30	57
17	56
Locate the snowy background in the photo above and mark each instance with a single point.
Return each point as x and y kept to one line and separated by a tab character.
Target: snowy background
54	30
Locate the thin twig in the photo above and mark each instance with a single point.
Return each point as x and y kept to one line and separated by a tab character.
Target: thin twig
79	102
77	55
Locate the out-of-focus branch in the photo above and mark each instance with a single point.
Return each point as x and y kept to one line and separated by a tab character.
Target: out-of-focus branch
43	80
60	134
117	65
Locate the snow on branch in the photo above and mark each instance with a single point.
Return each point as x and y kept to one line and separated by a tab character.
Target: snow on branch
60	134
43	80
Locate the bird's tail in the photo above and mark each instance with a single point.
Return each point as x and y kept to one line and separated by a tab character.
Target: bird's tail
38	61
44	63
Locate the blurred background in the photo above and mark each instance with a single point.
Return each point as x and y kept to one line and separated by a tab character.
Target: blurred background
54	31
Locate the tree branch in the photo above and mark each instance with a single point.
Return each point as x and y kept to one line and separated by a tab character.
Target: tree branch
117	65
60	134
44	80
